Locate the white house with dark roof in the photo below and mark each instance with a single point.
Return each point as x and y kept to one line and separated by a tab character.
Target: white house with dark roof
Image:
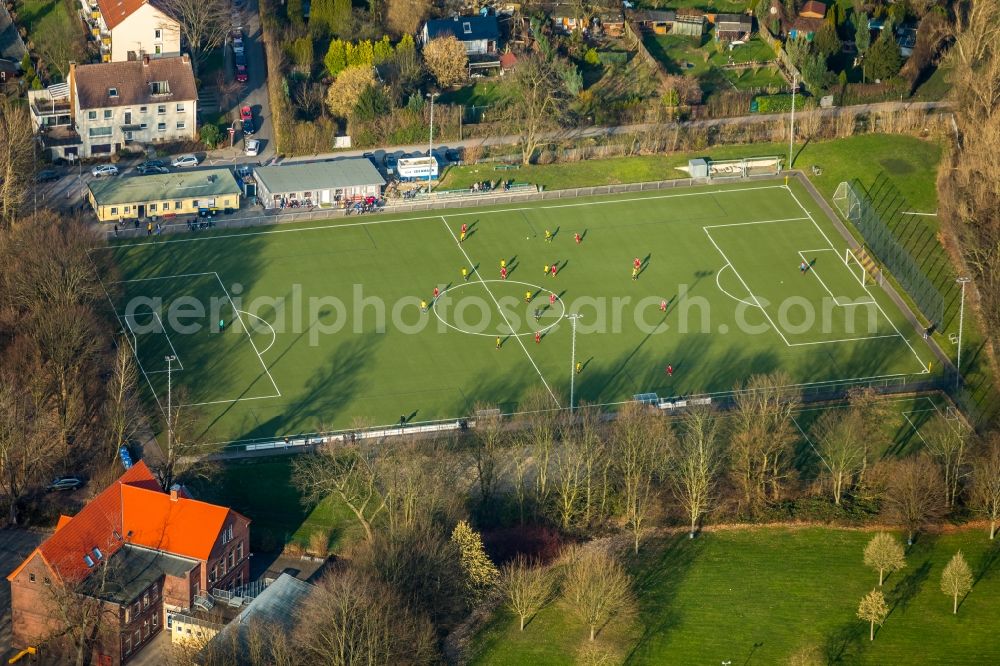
146	101
479	34
332	183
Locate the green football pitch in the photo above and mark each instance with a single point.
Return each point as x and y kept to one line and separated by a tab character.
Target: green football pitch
323	324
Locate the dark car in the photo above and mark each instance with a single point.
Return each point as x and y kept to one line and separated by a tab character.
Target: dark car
153	168
389	161
65	483
48	176
453	155
149	163
241	68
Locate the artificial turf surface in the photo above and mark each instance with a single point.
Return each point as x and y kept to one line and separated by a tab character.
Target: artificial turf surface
330	329
759	595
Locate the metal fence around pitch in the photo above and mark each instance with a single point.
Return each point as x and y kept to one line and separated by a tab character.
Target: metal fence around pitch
876	211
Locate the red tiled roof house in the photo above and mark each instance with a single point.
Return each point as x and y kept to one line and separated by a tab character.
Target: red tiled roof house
138	550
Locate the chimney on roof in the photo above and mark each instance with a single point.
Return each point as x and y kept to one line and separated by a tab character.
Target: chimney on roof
186	58
145	61
174	492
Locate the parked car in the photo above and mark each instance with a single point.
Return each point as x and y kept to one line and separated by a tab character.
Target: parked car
146	170
453	155
48	176
252	147
241	68
389	162
246	118
65	483
102	170
185	161
238	45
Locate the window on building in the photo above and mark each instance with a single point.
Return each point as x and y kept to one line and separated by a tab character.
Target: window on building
145	629
166	205
156	621
128	616
232	558
155	593
157	34
227	532
143	126
46	581
215	574
239	551
88	560
108	114
467	28
161	127
128	209
180	108
145	600
181	124
152	207
161	109
136	637
91	115
99	131
112	92
31	578
142	109
114	211
157	49
98	555
135	608
128	645
178	205
160	87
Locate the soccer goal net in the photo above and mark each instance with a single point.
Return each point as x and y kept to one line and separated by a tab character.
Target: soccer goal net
862	266
744	168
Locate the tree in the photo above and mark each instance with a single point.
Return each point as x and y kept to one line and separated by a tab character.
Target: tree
334	15
204	25
17	146
956	579
26	433
404	17
447	61
639	445
373	103
884	554
525	587
335	59
883	60
210	135
862	33
352	473
122	409
487	447
596	587
58	43
480	572
343	95
913	494
695	465
349	618
839	441
946	440
986	484
827	42
873	610
535	103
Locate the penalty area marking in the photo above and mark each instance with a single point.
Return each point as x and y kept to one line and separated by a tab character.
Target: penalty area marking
274	336
534	288
718	274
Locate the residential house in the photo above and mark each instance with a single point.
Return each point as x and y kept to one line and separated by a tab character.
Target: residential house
808	22
133	29
106	106
138	553
656	21
567	17
689	22
479	34
611	22
733	27
163	195
332	183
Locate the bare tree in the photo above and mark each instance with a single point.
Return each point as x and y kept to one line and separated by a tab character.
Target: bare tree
695	465
255	643
350	619
872	412
538	434
596	587
352	473
884	554
404	17
956	579
913	494
596	463
122	408
840	445
947	440
447	61
986	484
203	25
535	104
181	459
570	467
526	587
58	44
639	446
873	610
488	443
17	146
25	437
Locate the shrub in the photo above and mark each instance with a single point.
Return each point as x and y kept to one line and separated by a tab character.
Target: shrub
778	103
591	57
210	135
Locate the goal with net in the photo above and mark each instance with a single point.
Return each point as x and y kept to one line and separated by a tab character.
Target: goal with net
862	266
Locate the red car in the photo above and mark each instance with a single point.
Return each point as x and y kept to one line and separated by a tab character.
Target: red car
246	119
241	68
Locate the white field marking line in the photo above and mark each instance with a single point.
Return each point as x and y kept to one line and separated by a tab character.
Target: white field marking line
906	415
479	277
274	336
233	400
135	351
747	287
743	224
718	273
913	212
825	408
180	365
923	365
836	301
249	337
434	217
810	442
827	342
161	277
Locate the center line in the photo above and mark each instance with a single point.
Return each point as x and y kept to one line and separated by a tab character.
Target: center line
500	310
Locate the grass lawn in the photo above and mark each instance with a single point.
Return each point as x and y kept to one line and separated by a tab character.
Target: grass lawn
765	77
935	88
47	20
483	92
323	320
759	595
680	54
261	489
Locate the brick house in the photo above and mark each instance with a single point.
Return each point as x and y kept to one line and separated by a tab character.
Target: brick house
139	552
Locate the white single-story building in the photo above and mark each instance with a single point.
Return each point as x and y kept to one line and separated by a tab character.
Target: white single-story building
333	183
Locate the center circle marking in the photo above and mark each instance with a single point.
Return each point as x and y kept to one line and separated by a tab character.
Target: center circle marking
534	288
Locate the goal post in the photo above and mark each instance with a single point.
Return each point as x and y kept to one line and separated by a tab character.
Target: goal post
862	266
